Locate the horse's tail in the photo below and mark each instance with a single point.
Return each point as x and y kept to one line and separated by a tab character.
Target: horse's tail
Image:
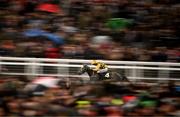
126	79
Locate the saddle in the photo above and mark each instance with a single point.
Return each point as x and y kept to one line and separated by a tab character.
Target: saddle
105	75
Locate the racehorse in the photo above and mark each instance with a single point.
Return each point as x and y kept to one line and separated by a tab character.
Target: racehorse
109	76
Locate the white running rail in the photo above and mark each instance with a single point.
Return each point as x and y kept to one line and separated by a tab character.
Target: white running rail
134	70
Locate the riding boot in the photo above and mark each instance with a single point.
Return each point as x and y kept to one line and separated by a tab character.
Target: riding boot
101	75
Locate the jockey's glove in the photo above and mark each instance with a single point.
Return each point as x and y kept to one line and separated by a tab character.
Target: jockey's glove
95	70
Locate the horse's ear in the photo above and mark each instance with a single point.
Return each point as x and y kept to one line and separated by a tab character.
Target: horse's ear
85	65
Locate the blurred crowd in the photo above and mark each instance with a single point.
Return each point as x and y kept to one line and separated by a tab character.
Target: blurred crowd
103	99
81	27
77	29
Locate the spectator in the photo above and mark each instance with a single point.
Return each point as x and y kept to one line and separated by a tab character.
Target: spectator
83	21
159	55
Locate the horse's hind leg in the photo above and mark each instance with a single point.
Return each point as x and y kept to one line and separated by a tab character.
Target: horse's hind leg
116	76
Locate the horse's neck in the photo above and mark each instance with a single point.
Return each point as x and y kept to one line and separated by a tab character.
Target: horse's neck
89	72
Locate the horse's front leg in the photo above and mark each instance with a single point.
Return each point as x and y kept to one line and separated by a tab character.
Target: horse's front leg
94	76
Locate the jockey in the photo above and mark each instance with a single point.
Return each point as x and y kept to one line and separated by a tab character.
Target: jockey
101	68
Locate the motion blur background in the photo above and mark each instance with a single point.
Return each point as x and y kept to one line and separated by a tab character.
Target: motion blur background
125	30
141	30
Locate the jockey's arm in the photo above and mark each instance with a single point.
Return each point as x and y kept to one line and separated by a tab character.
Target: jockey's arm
97	68
102	70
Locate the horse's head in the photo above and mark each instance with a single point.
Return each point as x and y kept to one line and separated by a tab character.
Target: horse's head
83	69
